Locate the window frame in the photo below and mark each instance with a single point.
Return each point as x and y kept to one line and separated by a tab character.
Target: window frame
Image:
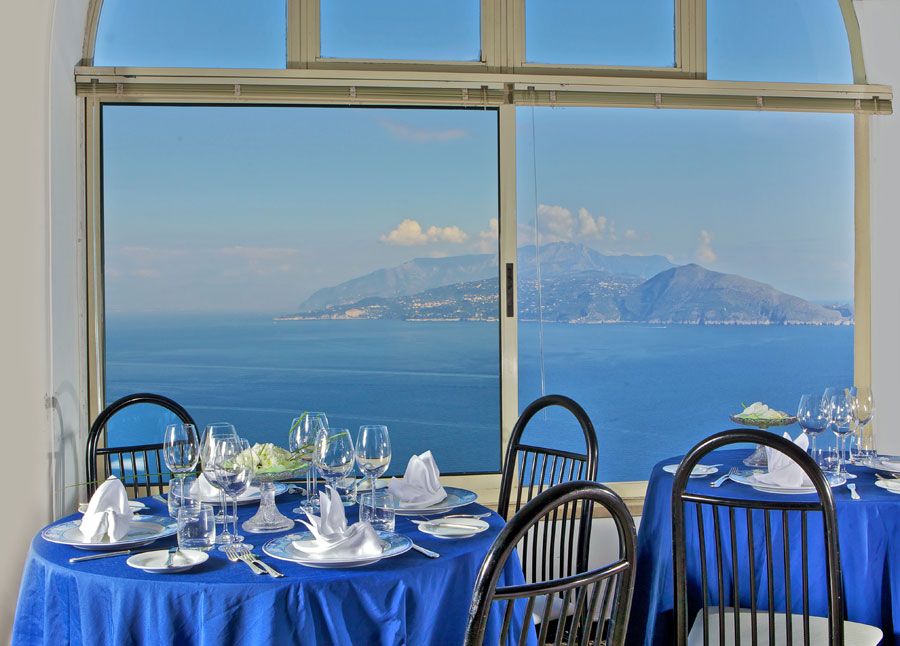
501	79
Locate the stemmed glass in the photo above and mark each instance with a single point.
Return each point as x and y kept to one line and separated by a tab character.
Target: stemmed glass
235	466
302	440
813	418
840	418
181	449
863	405
373	455
216	433
334	454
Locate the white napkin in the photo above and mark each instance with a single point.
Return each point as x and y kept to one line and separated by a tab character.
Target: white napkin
782	471
210	493
420	486
107	514
333	539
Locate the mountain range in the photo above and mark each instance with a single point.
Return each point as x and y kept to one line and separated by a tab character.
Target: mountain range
578	285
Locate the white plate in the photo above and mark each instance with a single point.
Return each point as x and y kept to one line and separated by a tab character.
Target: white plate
439	527
282	548
134	505
699	470
143	530
456	497
888	463
834	481
251	497
886	485
155	562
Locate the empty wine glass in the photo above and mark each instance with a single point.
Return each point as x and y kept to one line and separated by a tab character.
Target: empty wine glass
334	454
863	405
373	456
181	449
840	417
215	433
302	440
235	466
813	418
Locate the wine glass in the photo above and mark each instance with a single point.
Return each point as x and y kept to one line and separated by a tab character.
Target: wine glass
863	405
302	440
216	433
813	418
235	466
334	454
181	449
840	417
373	455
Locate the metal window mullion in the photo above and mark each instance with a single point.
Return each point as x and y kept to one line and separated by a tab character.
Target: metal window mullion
93	170
690	37
310	31
862	273
294	34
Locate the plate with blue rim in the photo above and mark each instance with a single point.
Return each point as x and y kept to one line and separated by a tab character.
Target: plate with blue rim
282	548
456	497
142	530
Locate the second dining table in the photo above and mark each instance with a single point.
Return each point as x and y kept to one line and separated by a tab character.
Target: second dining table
402	600
869	539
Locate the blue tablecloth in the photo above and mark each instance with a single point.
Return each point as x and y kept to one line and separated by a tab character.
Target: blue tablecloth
409	599
869	537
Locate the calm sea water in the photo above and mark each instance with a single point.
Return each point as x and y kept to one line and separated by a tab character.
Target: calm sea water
651	391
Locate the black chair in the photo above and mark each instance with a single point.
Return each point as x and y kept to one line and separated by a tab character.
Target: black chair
140	466
593	605
721	589
532	469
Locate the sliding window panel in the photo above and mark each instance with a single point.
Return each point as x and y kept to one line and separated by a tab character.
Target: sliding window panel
687	263
263	261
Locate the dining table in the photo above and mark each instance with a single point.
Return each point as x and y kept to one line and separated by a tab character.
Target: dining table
407	599
868	537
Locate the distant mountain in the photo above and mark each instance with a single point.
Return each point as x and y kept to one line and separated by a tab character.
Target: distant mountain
693	294
580	297
420	274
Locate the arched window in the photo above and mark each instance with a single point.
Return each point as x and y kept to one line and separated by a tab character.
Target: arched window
426	216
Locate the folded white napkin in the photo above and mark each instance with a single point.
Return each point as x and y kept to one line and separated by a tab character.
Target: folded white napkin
107	514
420	486
209	493
332	538
782	471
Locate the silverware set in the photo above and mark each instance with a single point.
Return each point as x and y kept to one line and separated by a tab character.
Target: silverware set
251	560
718	482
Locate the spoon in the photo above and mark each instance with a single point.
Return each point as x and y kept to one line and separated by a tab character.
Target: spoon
853	495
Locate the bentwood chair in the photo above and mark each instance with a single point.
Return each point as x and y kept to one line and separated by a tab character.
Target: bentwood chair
139	466
527	471
744	555
593	604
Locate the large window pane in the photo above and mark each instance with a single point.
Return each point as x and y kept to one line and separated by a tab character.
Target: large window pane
264	261
600	32
194	33
798	41
402	29
690	261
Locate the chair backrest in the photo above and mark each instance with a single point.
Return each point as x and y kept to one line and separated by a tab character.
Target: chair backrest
138	466
582	603
743	533
527	471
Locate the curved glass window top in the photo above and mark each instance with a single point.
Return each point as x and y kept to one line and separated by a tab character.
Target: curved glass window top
795	41
195	33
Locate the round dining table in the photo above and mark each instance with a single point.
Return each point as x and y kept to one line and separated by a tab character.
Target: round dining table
868	536
407	599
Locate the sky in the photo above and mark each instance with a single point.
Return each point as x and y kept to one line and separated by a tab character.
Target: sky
249	208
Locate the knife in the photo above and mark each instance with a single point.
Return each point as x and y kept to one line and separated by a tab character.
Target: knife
92	557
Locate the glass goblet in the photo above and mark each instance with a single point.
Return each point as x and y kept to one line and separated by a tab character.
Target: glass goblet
235	467
334	455
302	441
373	456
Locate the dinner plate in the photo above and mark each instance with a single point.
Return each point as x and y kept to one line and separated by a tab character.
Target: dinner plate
282	548
134	505
252	497
456	497
887	463
699	470
744	479
143	530
448	529
888	485
155	562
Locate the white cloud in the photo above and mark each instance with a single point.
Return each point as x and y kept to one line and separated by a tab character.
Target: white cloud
558	224
631	234
705	252
410	233
487	240
422	135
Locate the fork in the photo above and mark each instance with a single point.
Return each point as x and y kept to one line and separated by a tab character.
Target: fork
234	557
720	481
250	557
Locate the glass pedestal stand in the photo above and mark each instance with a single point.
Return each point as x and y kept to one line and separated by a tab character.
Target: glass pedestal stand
268	519
758	459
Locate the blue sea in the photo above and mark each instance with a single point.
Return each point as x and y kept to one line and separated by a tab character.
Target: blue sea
651	391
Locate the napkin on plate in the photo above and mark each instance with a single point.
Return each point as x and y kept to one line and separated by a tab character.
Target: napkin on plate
420	486
210	493
107	514
782	471
332	538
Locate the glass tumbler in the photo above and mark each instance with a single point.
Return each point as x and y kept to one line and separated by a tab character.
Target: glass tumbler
196	525
382	514
179	488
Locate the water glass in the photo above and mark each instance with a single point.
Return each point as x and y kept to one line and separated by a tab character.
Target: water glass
334	456
196	525
179	489
373	452
302	441
379	509
813	418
